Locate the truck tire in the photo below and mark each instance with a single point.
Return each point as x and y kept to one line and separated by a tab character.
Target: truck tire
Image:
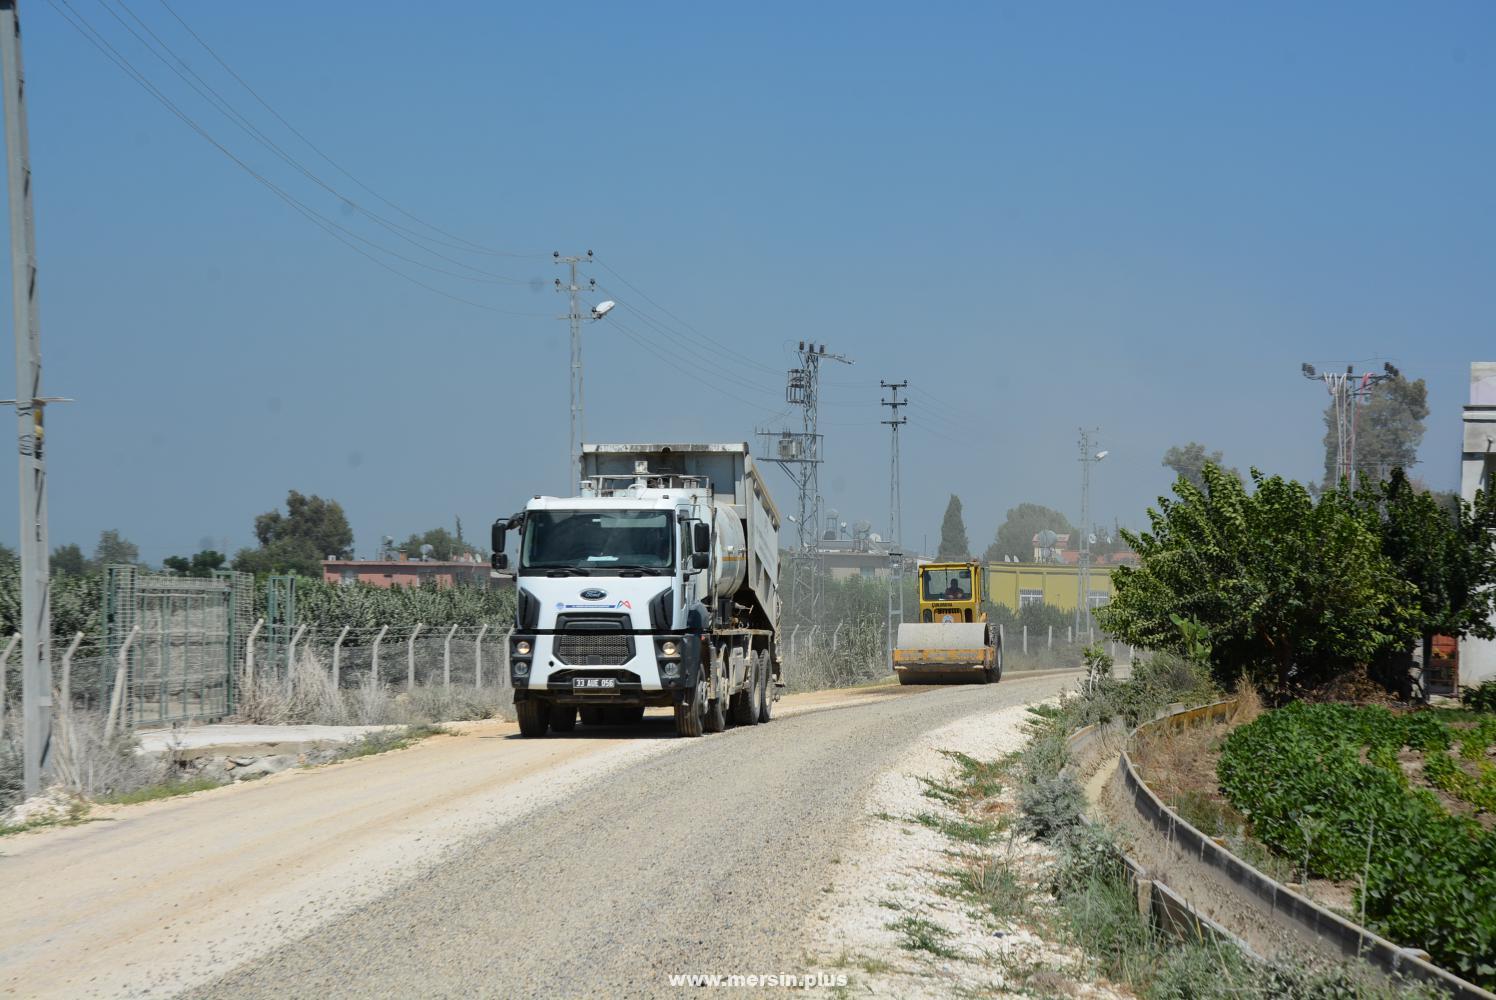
716	715
690	716
534	717
563	718
744	705
766	686
593	715
753	698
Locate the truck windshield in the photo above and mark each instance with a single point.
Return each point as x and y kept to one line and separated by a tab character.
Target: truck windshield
597	540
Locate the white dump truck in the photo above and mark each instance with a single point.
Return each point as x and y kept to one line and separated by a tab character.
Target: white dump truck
658	584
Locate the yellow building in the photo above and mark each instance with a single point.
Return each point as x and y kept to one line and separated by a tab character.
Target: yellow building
1056	584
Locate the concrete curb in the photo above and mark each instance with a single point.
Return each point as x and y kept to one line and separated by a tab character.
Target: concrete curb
1287	908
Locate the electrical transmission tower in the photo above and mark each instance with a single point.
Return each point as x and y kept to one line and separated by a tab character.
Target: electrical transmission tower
1347	389
895	513
574	314
799	454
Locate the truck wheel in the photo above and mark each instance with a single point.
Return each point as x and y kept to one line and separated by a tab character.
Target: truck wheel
563	718
593	715
690	716
716	715
534	716
766	687
754	696
744	705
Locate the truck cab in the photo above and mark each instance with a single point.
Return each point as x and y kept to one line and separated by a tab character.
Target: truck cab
631	595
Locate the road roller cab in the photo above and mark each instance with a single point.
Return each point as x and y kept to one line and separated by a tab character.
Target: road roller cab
952	641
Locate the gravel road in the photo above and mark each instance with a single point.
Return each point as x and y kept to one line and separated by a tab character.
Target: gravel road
708	859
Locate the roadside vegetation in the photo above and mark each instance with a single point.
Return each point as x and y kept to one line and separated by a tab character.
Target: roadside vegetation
1080	896
1398	803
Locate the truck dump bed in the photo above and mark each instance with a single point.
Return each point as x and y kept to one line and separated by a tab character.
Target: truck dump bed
735	483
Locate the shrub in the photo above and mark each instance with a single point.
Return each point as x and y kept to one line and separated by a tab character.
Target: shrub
1479	699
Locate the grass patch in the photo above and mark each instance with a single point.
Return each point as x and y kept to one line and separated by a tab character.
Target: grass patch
385	740
920	934
163	790
978	831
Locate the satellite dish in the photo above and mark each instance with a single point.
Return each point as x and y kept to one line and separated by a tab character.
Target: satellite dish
602	309
1047	538
426	551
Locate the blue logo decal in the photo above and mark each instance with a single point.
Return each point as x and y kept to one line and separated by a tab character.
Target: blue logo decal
593	594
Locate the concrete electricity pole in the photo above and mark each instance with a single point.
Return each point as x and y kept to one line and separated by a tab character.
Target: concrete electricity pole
36	614
1346	391
574	314
895	513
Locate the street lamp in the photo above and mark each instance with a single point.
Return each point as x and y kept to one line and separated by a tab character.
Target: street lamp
574	314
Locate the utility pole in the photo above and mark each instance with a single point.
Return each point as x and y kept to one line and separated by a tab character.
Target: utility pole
799	455
36	614
1346	391
895	512
574	314
1083	567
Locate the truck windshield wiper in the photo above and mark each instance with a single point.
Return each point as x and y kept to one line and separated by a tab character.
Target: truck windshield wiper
568	571
640	570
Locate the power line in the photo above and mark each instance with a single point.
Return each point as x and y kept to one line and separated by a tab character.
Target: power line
340	233
460	242
725	347
206	91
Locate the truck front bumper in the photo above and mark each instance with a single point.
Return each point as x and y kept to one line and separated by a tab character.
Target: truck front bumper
650	676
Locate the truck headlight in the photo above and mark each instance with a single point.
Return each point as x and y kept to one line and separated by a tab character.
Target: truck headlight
521	668
522	648
669	648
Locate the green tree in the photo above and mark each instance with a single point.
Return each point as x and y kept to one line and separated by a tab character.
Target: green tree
1189	459
311	530
69	560
1015	536
444	545
1290	591
114	548
1389	429
1448	555
953	542
201	564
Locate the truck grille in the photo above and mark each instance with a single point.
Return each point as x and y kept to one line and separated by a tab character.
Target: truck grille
597	650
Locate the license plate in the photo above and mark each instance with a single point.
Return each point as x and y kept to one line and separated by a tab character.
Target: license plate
594	683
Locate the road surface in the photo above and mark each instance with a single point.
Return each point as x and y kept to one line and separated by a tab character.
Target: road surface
480	865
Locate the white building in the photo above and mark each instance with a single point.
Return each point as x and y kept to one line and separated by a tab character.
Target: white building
1478	656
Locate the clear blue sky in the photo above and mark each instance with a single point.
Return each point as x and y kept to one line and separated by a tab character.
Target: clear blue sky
1141	217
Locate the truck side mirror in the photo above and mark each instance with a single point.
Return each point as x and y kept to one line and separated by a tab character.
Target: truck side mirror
501	560
496	536
700	560
701	537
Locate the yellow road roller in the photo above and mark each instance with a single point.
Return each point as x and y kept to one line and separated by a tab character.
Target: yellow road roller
953	643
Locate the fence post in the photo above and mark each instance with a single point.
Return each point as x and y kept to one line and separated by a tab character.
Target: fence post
794	638
478	656
1025	640
10	647
1069	635
374	659
410	657
1051	637
1002	634
291	655
66	688
836	637
447	658
117	697
249	652
337	658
